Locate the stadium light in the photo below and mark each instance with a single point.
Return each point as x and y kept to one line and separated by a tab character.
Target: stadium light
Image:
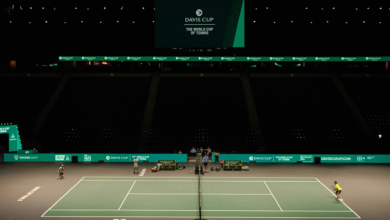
380	136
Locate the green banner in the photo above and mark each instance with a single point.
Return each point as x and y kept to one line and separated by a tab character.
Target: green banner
223	59
14	139
67	157
305	158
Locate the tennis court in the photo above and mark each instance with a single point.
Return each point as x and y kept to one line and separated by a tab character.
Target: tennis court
220	197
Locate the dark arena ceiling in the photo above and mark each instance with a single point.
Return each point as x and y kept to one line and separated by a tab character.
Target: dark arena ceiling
127	29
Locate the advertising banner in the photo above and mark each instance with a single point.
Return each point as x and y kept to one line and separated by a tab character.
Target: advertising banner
305	158
222	59
124	158
13	134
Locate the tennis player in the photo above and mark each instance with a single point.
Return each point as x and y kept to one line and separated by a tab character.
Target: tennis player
61	172
338	191
135	164
205	162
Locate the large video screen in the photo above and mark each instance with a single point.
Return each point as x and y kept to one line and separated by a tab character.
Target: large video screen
199	23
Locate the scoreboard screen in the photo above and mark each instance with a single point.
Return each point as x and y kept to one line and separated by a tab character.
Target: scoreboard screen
199	23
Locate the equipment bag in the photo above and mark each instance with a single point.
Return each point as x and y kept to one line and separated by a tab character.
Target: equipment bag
212	169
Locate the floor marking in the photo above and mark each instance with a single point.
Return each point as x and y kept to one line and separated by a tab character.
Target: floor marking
203	181
28	194
203	194
195	217
127	195
202	177
336	196
164	210
63	196
142	172
273	196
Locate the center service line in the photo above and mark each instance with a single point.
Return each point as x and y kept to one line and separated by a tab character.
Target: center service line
273	196
127	195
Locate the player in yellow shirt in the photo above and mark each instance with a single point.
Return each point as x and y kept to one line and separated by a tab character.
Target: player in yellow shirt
338	190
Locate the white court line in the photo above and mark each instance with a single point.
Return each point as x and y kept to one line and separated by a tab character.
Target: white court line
62	196
196	177
203	181
336	196
273	196
142	172
126	195
194	217
159	210
203	194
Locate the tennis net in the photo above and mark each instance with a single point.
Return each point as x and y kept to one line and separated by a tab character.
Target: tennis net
200	197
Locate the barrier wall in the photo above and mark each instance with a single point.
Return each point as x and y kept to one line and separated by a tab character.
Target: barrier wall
12	157
306	158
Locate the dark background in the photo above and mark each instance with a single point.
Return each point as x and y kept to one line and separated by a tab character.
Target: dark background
40	40
101	106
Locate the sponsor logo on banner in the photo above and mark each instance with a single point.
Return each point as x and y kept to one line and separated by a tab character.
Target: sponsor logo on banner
118	157
337	158
13	137
16	157
27	152
307	158
199	12
263	158
2	130
62	157
141	157
87	158
284	158
28	157
360	159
